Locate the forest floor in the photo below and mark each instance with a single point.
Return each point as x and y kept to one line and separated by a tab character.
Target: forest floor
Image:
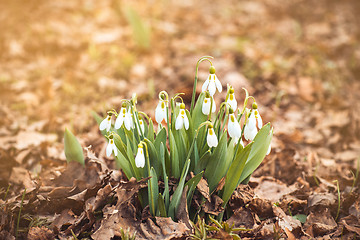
61	60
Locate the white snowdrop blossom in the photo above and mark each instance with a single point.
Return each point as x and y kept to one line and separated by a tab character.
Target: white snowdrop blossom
206	106
111	147
142	127
212	83
259	119
182	119
160	112
250	130
121	117
128	121
140	157
106	123
234	128
211	138
231	99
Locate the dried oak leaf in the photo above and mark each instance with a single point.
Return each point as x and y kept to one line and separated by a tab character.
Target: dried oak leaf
242	195
182	214
321	200
123	216
287	223
203	188
40	233
215	206
351	223
319	223
272	189
261	207
242	217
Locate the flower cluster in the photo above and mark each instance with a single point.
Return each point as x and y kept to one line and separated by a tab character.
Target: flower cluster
201	140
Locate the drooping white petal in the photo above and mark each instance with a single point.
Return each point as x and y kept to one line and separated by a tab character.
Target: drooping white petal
140	158
205	85
127	120
213	107
109	148
217	83
159	116
259	119
179	122
186	122
269	149
241	142
251	123
234	128
142	127
104	124
206	106
114	148
120	119
232	101
212	88
250	134
211	138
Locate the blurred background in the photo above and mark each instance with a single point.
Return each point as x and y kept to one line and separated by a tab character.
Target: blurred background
60	60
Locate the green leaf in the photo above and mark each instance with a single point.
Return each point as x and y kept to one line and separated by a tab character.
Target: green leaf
216	167
141	32
73	149
300	217
192	183
153	191
175	201
174	157
160	138
258	151
154	157
131	158
123	163
202	162
197	116
166	179
234	173
161	206
151	131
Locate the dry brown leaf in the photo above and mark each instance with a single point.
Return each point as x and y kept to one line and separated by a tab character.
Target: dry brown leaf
40	233
319	223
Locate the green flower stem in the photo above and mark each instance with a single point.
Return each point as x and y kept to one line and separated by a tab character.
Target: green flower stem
145	115
196	78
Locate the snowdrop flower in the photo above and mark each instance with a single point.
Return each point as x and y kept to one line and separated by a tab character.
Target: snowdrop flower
231	98
129	124
111	147
182	119
234	128
207	104
121	117
250	130
160	112
211	138
212	82
140	157
257	115
106	123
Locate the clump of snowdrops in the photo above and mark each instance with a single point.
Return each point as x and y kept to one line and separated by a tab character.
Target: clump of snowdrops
206	140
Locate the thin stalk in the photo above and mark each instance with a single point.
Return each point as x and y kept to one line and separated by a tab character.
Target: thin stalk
7	191
339	203
196	79
18	220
